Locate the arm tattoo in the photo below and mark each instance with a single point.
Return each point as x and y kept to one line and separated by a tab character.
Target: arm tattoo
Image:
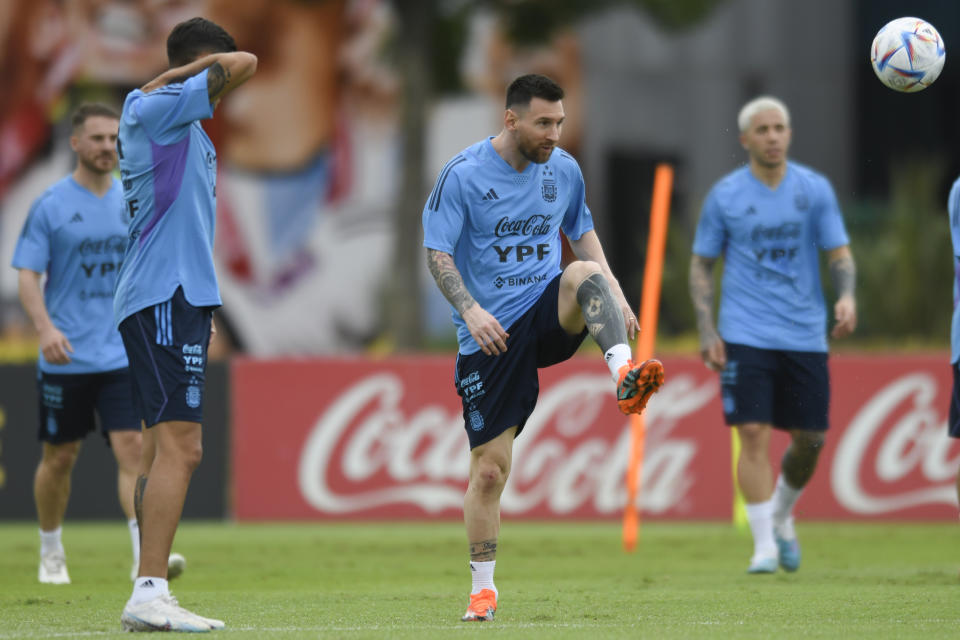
448	278
843	273
217	79
138	490
483	551
701	292
600	312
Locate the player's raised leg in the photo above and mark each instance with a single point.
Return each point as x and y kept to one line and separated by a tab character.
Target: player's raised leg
51	490
755	475
585	299
489	470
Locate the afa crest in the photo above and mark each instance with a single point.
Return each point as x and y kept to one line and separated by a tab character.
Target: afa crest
193	396
476	420
549	190
801	201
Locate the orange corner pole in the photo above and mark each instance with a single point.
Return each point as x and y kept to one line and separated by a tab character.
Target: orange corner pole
649	310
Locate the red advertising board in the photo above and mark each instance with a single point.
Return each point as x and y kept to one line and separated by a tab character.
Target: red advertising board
384	438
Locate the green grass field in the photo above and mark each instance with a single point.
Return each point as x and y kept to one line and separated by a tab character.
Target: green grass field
556	580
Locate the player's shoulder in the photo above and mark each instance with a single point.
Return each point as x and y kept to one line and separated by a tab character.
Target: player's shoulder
564	159
467	160
729	185
808	175
54	194
953	200
132	103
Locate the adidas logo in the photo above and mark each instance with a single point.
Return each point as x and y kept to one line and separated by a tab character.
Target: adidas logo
147	584
76	217
491	195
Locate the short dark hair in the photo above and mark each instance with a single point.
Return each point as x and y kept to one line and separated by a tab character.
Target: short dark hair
90	110
194	37
533	85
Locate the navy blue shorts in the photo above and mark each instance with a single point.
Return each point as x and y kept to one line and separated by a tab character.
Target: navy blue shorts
71	403
787	389
167	348
499	392
953	428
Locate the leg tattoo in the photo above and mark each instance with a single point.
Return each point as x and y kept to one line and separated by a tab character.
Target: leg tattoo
483	551
138	490
800	458
603	317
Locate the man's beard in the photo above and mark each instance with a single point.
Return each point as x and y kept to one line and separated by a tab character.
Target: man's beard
93	166
534	153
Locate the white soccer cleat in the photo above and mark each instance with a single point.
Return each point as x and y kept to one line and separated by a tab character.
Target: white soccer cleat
176	565
162	614
763	564
213	622
53	568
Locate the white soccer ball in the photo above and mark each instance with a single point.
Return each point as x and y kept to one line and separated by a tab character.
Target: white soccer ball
907	54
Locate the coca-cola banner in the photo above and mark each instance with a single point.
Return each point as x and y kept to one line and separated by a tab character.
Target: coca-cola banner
384	438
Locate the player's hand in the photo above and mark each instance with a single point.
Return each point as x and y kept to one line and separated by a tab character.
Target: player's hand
213	332
486	330
845	313
55	347
714	352
629	320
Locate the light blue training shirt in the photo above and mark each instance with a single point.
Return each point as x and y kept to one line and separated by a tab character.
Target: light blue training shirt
770	239
78	238
953	208
502	227
169	170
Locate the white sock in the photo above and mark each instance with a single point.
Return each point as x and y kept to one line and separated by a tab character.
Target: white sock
617	356
482	574
134	539
147	588
51	541
784	497
760	516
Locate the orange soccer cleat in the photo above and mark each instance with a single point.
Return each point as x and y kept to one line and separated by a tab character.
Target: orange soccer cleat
482	606
637	383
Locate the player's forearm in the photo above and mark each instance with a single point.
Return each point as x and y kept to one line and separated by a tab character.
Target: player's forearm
228	72
235	68
31	298
448	278
701	293
843	272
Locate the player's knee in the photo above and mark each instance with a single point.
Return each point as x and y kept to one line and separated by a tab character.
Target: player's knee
191	456
185	455
60	459
754	439
809	443
490	476
579	270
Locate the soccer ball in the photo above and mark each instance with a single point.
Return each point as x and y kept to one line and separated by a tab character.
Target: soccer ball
907	54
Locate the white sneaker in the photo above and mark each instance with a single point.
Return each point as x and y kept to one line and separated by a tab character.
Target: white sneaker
176	565
213	622
53	568
161	614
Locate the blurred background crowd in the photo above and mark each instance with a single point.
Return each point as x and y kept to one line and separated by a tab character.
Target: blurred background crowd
327	154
